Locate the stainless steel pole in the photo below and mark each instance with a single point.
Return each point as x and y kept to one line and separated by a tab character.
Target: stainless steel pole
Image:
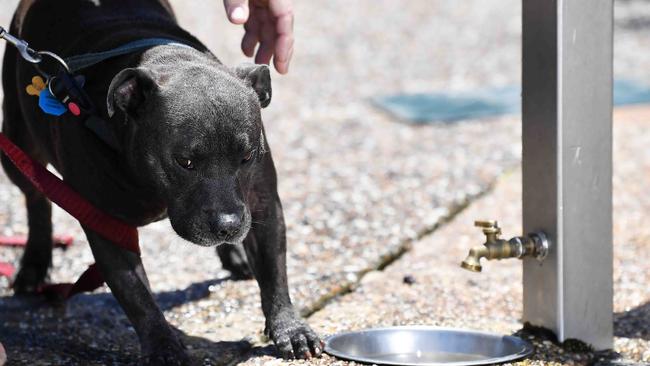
567	165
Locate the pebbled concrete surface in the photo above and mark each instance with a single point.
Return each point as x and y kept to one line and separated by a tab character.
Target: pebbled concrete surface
350	179
443	294
357	187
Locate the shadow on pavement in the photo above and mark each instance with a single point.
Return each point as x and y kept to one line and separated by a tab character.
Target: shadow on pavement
92	329
634	323
168	300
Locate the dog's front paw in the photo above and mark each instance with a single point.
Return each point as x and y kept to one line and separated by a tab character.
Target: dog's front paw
29	278
166	354
293	337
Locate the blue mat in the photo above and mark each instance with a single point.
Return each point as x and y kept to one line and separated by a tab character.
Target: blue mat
423	108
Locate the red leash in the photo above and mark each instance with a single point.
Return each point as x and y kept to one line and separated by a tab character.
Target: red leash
59	241
6	269
118	232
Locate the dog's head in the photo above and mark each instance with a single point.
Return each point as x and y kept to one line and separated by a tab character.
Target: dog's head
195	134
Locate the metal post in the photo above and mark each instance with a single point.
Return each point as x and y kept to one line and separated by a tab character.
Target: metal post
567	166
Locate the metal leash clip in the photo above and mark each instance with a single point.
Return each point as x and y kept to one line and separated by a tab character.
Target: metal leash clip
23	47
30	55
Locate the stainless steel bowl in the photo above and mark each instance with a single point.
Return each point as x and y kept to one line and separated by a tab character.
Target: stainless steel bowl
424	345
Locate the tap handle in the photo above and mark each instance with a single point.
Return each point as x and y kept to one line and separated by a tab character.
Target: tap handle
488	226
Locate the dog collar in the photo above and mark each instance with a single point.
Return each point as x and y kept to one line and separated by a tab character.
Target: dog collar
79	62
64	91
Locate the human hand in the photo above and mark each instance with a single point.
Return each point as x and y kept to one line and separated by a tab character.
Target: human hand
269	23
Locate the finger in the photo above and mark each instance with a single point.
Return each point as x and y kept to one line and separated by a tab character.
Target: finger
237	10
251	36
280	8
300	347
267	39
248	44
283	53
282	12
283	20
265	52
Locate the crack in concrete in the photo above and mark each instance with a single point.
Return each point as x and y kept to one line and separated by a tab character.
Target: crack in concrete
392	256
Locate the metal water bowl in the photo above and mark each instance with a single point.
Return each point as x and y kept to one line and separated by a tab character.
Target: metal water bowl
423	345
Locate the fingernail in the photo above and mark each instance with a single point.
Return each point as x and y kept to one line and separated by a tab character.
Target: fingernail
282	67
289	58
238	13
317	351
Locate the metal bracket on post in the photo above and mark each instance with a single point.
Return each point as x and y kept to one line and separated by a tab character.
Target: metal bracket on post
567	166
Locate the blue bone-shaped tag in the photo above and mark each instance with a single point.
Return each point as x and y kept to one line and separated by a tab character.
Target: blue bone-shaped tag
49	104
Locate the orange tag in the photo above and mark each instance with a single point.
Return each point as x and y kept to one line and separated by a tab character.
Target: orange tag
36	86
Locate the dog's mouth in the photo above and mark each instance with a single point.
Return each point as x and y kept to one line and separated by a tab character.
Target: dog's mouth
198	232
237	240
208	240
208	217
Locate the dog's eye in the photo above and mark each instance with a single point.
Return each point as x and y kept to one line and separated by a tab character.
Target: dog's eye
185	163
248	157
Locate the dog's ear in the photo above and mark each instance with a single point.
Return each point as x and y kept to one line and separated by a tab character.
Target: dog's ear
129	89
259	78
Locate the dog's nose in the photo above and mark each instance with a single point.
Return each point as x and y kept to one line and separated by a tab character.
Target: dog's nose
225	226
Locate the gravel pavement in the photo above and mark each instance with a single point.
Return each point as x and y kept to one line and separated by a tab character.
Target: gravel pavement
358	189
426	286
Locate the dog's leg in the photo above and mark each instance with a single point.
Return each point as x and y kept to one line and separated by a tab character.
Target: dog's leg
37	257
233	259
125	275
266	249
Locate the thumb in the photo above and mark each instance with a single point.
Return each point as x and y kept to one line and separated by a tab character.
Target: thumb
236	10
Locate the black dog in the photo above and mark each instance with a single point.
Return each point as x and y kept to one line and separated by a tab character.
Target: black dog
191	147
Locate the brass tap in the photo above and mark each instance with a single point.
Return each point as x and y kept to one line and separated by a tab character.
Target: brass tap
533	245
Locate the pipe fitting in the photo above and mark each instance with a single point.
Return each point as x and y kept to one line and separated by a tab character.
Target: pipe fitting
533	245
